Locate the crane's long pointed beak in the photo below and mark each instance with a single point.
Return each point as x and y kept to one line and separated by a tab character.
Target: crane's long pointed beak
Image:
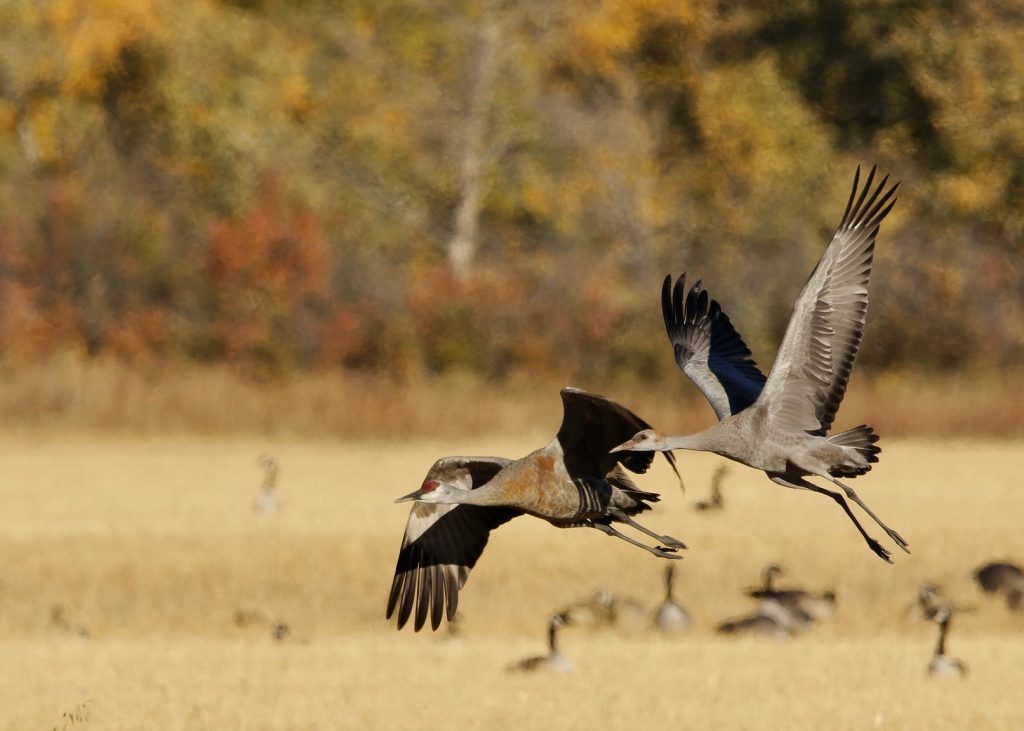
410	496
624	447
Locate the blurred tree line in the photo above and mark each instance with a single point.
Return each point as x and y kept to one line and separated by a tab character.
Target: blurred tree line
497	187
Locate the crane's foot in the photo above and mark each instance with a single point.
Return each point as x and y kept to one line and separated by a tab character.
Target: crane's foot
673	542
879	550
898	539
663	552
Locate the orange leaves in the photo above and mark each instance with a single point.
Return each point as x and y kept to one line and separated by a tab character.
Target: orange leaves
269	270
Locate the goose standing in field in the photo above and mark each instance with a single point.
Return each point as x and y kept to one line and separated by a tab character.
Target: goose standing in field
1002	577
572	482
266	502
715	502
671	617
554	660
780	424
941	664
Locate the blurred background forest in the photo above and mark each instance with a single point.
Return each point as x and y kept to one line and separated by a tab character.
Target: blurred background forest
339	203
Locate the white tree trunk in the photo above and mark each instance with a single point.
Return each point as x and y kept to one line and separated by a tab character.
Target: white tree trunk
463	244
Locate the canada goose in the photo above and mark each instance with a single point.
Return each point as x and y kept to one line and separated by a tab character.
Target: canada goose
941	664
770	619
670	617
715	502
1002	577
554	660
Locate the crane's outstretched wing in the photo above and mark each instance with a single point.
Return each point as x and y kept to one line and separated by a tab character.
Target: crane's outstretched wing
809	376
592	425
708	349
443	542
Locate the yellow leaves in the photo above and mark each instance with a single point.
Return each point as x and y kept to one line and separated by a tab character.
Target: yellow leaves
39	136
975	193
295	96
92	34
603	31
753	119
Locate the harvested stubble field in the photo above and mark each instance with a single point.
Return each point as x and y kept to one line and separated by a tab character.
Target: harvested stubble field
150	546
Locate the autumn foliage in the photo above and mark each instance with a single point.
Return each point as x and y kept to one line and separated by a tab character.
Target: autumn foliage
275	186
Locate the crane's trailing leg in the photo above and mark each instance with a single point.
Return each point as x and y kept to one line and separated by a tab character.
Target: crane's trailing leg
803	484
659	551
667	540
850	493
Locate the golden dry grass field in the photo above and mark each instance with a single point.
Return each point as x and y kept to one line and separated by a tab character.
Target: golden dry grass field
151	548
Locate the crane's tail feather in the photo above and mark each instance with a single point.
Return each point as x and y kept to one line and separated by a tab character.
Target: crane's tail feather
862	439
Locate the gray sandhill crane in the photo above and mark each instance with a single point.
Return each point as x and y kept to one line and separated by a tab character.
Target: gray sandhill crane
941	664
266	502
671	617
1002	577
779	424
770	619
572	482
715	502
554	660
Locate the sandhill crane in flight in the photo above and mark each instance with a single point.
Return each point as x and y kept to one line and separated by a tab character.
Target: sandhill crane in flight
715	502
941	664
671	617
554	660
779	424
572	482
1005	577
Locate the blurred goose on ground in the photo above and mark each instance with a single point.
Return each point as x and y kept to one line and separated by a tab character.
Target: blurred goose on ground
572	482
806	607
931	598
715	502
554	660
780	424
1002	577
59	619
671	617
266	502
941	664
605	609
771	619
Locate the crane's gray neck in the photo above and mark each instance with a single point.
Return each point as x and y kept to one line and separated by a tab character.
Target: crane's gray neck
709	440
489	494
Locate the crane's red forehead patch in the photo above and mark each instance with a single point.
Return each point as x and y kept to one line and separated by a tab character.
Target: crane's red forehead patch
429	486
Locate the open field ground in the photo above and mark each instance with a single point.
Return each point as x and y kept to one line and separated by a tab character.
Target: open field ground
150	548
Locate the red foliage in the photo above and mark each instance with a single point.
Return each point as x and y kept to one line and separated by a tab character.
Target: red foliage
270	274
